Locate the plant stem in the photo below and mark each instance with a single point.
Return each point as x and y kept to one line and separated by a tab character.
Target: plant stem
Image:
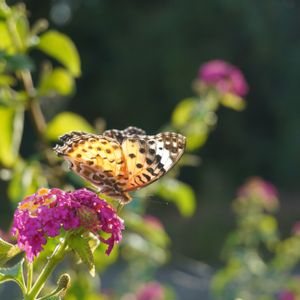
29	276
34	106
55	258
38	118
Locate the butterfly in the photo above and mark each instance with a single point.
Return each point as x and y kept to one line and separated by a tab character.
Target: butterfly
120	161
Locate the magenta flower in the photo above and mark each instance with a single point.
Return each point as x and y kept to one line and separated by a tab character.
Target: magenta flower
296	228
154	222
224	76
46	212
286	295
150	291
258	187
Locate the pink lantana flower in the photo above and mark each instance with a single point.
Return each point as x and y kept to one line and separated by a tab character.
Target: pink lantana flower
225	77
296	228
150	291
286	295
256	192
258	187
46	212
154	222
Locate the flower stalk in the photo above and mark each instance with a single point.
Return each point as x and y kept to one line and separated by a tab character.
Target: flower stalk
29	275
34	105
54	259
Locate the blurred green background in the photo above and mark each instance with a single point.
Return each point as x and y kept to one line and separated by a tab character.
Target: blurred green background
139	59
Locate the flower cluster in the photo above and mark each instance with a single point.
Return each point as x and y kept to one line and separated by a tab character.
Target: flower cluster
150	291
260	188
225	77
46	212
296	228
153	222
287	295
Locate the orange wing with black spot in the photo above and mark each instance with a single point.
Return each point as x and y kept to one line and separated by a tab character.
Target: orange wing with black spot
150	157
98	159
120	161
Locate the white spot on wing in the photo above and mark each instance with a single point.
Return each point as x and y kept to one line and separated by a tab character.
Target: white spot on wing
164	154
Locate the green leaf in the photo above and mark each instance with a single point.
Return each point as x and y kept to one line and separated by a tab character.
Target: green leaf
180	193
82	248
14	273
4	246
57	81
6	80
5	40
52	298
13	99
27	178
19	62
11	128
4	10
65	122
223	277
92	240
233	101
196	134
7	251
61	47
22	29
183	111
15	62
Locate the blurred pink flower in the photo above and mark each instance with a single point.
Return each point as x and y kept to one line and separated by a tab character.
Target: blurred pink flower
260	188
153	221
150	291
224	76
296	228
286	295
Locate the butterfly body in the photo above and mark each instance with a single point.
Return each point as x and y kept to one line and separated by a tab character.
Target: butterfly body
120	161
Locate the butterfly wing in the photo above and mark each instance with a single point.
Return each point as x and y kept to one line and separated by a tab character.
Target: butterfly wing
150	157
119	135
98	159
120	161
